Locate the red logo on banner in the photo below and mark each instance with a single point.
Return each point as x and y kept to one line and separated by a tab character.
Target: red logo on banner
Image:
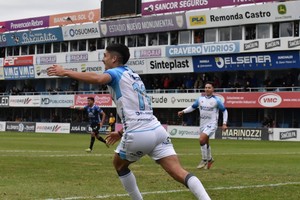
269	100
102	100
18	61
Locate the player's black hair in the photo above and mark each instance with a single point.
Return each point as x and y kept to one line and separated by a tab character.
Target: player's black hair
211	83
121	49
91	98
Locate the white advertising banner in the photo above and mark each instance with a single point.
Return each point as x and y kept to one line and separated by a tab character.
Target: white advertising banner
147	52
169	65
285	134
52	128
2	126
97	67
137	65
1	73
1	62
270	44
25	101
269	12
185	132
57	101
83	31
171	100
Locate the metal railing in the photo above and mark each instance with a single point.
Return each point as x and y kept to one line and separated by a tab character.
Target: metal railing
218	90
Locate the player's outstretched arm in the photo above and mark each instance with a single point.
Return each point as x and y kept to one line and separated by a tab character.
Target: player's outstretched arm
88	77
76	108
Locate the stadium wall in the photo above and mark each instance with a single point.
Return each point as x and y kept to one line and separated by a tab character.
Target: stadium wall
192	132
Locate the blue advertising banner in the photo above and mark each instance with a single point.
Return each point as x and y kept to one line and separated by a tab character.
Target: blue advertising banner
18	72
202	49
249	61
32	37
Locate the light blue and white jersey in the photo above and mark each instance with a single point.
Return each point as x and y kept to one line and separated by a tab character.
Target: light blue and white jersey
133	105
209	107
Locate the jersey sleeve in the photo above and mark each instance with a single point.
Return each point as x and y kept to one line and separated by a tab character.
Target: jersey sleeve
221	107
196	103
220	104
113	75
98	109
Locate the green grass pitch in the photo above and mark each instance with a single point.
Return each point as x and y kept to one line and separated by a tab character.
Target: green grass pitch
55	166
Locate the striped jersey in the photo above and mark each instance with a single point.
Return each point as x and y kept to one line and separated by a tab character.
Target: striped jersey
93	114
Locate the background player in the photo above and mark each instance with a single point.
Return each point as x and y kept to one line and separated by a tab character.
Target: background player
209	106
93	111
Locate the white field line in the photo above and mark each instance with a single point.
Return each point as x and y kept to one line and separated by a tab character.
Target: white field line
41	153
177	191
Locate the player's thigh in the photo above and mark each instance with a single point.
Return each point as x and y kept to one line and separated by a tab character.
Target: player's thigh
133	146
208	130
164	146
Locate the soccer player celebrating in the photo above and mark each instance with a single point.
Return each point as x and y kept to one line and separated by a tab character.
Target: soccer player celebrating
209	106
93	111
142	133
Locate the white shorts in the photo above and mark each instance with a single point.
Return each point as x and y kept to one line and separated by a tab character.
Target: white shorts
156	143
208	130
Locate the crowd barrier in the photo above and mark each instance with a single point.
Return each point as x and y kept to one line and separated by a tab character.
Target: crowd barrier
232	133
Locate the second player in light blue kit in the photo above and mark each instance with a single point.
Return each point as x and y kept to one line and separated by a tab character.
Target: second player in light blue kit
209	106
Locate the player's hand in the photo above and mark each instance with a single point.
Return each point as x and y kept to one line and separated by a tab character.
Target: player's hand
55	70
180	113
112	138
224	127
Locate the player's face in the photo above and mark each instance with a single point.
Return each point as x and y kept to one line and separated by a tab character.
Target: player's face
90	102
109	60
209	89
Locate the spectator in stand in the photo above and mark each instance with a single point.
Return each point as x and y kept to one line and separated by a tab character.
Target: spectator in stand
14	91
181	89
247	86
92	47
216	82
267	83
189	83
199	82
166	83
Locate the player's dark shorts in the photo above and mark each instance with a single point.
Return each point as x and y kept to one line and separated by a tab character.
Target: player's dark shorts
95	128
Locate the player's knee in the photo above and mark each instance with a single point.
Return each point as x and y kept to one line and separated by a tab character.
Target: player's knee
123	172
202	141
